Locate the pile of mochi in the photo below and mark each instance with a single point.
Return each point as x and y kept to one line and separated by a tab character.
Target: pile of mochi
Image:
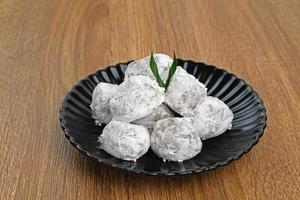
140	114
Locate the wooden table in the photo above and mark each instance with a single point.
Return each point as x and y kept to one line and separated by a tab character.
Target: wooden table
47	46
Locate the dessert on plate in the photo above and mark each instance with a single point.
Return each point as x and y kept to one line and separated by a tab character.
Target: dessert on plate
101	96
175	139
159	104
125	141
185	92
135	98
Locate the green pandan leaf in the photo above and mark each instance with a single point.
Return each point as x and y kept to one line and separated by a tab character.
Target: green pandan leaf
172	71
155	72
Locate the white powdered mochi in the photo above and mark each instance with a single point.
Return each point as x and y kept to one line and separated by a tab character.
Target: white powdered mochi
125	141
175	139
102	93
142	66
184	92
211	118
136	98
161	112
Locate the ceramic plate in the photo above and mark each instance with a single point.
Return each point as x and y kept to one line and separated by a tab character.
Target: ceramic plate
248	124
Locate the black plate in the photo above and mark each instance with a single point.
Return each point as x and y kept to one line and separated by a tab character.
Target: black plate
248	124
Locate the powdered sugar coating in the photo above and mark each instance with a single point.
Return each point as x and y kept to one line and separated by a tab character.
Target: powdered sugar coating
161	112
102	93
211	118
175	139
142	66
125	141
136	97
184	92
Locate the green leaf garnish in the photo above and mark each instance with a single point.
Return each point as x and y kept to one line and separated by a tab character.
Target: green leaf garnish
172	71
154	70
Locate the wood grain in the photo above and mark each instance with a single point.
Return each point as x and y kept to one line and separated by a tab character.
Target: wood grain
47	46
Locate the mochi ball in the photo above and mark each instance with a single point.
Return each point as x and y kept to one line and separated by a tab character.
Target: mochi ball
175	139
142	66
101	96
136	98
184	92
125	141
211	118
